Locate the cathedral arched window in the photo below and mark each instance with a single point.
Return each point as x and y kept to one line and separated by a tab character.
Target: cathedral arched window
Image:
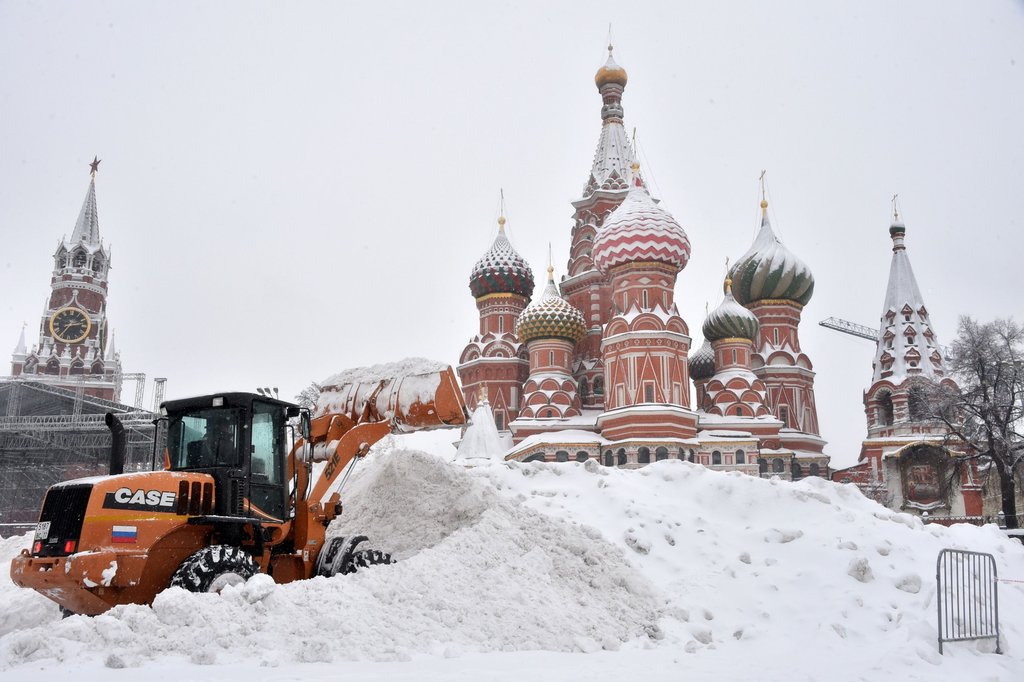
609	458
917	401
778	466
814	469
582	456
660	454
795	470
499	420
643	456
561	456
741	457
501	325
644	296
885	409
762	465
775	335
716	457
622	456
583	388
598	386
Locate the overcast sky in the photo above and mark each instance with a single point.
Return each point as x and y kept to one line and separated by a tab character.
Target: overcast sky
290	189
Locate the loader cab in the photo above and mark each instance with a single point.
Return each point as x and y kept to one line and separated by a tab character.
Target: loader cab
241	439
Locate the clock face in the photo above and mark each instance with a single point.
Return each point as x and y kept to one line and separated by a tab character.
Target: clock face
70	325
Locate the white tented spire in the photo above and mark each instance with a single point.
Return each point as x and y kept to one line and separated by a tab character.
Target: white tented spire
87	229
21	348
907	343
482	439
111	349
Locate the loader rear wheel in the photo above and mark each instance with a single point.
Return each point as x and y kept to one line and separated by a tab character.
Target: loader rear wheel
211	569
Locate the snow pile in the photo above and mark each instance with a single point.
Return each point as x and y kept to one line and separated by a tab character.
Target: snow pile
482	438
478	572
385	371
671	569
750	567
405	383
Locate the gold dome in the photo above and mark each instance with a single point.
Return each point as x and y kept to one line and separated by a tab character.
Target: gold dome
610	73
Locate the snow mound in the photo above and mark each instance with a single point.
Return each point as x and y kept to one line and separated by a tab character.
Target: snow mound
388	370
479	572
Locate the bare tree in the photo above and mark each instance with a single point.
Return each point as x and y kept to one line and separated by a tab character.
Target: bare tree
307	397
985	413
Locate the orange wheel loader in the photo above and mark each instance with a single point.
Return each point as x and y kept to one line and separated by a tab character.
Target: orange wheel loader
233	498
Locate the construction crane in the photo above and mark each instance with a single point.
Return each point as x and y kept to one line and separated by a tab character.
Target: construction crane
851	328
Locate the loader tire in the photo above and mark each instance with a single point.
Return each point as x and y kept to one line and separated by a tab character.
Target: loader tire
366	558
213	568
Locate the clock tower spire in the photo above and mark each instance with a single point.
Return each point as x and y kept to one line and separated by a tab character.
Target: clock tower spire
71	352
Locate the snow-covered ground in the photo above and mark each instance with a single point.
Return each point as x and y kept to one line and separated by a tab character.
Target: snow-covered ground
558	572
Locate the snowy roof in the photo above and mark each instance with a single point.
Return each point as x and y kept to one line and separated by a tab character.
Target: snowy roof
907	344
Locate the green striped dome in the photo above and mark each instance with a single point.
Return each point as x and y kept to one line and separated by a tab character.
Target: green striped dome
730	320
771	271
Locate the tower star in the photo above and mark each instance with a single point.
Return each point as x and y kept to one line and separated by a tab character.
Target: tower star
95	165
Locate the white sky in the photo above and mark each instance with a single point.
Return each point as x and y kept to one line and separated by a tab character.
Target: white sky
292	189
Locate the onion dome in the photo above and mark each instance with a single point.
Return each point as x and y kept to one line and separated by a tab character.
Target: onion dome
768	270
640	231
610	73
501	270
702	363
550	317
730	320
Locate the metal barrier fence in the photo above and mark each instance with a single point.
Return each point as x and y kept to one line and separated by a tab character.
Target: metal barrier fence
967	596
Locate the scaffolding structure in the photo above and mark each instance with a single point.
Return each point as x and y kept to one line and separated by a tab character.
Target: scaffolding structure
50	434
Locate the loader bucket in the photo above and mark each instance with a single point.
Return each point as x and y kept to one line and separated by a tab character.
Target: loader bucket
413	394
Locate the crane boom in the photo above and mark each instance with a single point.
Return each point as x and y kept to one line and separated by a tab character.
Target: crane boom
851	328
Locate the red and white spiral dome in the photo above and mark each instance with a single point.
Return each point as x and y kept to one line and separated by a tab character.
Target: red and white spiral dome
639	231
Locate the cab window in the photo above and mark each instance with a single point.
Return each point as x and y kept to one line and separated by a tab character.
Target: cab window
205	438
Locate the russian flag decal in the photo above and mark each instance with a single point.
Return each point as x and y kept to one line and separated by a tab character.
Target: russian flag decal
124	533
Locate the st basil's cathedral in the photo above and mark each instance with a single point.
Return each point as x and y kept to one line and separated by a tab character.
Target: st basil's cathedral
600	365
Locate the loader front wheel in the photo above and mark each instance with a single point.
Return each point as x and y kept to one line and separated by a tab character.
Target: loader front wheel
211	569
368	557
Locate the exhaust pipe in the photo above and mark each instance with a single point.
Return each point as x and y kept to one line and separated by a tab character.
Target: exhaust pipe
117	444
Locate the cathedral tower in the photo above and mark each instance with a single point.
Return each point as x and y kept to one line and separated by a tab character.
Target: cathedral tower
72	351
585	287
494	363
775	285
641	249
550	327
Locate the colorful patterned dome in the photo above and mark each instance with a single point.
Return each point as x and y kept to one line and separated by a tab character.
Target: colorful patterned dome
610	73
640	231
702	363
730	320
501	270
771	271
550	317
